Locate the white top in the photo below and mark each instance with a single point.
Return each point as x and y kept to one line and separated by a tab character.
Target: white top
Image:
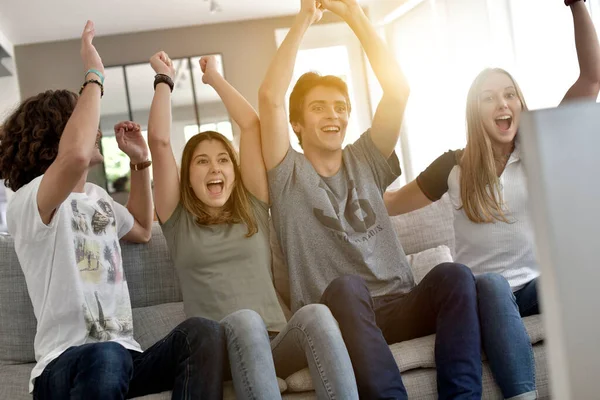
73	269
504	248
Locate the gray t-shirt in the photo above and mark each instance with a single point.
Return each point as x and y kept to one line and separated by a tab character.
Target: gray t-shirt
329	227
221	270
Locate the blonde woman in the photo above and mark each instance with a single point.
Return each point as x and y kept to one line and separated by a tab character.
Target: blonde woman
214	216
487	188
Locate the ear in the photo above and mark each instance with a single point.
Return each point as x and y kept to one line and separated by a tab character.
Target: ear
296	127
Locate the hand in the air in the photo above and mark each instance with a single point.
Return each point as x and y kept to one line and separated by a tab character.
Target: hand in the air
131	142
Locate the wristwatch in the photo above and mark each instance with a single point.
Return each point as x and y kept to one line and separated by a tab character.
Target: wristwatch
140	166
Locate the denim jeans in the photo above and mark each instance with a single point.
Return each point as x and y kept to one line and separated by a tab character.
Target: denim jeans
505	340
444	302
189	361
311	338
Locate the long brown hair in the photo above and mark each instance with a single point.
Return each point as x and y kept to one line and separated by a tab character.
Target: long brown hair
237	208
479	184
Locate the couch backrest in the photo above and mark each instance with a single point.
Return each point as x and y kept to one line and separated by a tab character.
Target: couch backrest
151	278
426	228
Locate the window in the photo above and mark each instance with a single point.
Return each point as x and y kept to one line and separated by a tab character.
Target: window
223	127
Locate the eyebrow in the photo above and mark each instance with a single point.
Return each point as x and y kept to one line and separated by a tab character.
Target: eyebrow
489	90
337	102
206	155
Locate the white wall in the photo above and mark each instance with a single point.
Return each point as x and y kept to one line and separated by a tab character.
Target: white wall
9	95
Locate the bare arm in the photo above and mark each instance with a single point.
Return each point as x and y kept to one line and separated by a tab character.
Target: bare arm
271	96
406	199
131	142
254	174
166	176
77	143
390	111
588	55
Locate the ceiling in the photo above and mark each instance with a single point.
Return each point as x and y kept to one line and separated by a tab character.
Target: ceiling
35	21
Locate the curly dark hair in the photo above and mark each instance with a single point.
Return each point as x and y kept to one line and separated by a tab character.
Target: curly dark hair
29	137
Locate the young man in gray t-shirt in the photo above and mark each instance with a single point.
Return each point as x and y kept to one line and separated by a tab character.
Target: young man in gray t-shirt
334	229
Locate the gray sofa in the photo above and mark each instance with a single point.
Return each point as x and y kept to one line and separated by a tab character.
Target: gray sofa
157	308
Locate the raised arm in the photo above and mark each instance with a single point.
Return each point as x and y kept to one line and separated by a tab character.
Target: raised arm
588	55
390	111
131	142
254	175
166	175
271	96
77	143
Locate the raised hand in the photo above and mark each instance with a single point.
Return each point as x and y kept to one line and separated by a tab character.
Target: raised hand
208	65
312	8
131	142
162	64
89	55
343	8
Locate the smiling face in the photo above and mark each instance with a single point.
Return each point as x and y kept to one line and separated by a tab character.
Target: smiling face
500	108
212	174
324	119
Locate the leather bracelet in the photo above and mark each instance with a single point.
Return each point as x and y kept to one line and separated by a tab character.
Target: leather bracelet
162	78
571	2
140	166
97	82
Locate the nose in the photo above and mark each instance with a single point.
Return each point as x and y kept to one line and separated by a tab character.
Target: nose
215	168
331	113
502	104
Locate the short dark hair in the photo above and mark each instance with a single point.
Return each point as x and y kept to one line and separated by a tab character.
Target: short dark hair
305	84
30	136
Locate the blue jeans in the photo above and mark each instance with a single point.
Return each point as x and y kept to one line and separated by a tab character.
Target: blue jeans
189	361
505	340
444	302
311	338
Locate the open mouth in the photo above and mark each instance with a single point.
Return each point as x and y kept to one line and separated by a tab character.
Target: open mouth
215	187
331	129
504	122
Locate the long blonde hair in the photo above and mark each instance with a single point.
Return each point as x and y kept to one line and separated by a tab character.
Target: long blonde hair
479	183
237	208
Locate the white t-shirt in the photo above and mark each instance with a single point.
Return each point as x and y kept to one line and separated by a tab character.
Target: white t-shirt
73	269
504	248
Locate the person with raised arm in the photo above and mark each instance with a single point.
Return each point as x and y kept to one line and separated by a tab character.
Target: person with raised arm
486	184
66	233
215	217
332	224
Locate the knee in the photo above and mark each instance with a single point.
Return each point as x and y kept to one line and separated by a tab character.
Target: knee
492	285
344	290
455	279
315	315
204	331
244	323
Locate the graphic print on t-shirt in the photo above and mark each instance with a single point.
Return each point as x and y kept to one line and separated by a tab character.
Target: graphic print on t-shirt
358	213
99	262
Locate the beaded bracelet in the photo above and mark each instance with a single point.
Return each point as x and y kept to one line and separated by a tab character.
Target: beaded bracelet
570	2
97	82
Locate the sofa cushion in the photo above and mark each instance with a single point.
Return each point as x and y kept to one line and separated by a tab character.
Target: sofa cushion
414	354
426	228
18	326
149	270
150	324
423	262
